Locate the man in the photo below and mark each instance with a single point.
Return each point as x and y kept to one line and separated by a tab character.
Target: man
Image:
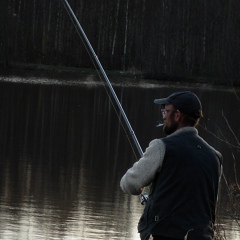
184	173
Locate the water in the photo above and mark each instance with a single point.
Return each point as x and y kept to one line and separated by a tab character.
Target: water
63	153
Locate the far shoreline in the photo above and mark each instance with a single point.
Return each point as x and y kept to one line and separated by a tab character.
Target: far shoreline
117	78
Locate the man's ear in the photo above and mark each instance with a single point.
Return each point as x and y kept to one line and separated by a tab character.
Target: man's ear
178	116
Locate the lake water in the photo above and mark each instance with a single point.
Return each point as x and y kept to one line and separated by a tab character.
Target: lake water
64	151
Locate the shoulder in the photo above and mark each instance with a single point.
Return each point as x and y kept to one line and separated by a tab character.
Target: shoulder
156	145
156	142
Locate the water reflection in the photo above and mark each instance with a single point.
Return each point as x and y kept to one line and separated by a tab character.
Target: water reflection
63	153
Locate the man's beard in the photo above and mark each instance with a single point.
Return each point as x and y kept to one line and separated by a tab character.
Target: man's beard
170	129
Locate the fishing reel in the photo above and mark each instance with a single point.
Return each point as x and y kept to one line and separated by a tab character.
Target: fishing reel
144	198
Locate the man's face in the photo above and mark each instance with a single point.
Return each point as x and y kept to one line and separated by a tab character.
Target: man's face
170	124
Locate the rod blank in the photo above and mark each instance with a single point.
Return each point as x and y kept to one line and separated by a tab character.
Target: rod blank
91	50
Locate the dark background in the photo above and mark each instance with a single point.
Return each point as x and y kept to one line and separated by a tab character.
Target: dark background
185	40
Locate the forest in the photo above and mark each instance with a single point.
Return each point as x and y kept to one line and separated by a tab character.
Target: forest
182	40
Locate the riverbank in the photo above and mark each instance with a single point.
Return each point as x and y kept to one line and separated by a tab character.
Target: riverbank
130	78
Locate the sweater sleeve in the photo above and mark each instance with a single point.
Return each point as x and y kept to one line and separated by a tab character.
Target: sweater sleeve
142	172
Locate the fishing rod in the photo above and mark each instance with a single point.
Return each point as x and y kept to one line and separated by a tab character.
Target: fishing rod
96	61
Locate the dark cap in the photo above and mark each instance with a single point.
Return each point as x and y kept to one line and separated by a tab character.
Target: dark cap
187	102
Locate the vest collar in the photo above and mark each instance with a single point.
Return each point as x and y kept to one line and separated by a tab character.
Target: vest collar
184	130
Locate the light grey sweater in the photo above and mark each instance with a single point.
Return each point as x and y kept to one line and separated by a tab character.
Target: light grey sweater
142	173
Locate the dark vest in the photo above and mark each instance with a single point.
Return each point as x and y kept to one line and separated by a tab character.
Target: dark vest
185	190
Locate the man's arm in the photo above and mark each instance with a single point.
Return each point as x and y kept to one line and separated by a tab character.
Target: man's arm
142	172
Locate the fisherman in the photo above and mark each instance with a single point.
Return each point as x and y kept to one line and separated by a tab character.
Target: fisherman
183	171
